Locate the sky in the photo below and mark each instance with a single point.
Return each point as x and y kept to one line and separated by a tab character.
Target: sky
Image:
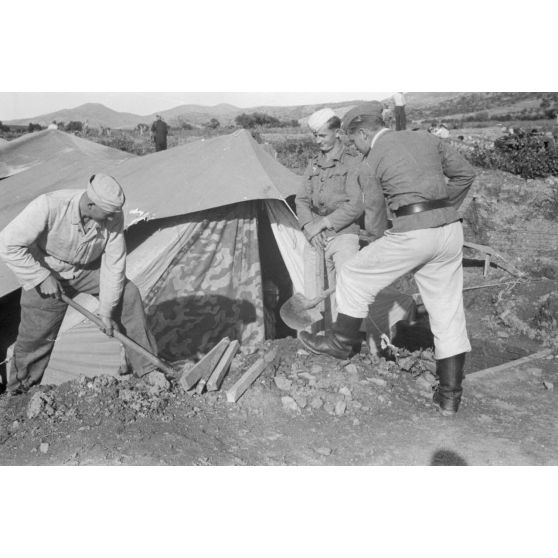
29	104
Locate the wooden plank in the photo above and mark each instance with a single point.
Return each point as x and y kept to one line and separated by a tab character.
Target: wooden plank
487	372
486	265
250	376
206	375
214	382
200	369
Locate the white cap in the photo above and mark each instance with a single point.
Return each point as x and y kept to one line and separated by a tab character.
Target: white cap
319	118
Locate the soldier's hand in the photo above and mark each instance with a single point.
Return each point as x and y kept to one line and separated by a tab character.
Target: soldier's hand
319	241
50	287
314	228
109	325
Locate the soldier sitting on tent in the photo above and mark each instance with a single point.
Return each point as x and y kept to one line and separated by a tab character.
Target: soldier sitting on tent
329	204
71	241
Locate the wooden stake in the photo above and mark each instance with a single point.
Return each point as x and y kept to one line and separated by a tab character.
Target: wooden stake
205	366
214	382
250	376
501	367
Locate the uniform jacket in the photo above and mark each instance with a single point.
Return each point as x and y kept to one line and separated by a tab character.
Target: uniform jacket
328	189
412	167
48	237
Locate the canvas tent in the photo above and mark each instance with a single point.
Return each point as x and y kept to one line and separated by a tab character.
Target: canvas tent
192	214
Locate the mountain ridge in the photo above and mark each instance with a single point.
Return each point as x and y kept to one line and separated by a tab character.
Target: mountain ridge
421	105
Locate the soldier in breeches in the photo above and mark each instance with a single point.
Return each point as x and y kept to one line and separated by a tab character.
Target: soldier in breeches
409	169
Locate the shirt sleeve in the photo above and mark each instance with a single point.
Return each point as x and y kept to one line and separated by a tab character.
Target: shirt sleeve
303	199
353	208
459	171
17	238
376	220
113	268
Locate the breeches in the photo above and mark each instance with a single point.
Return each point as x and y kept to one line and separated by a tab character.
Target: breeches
435	257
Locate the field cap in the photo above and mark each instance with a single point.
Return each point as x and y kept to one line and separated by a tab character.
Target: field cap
319	118
105	192
361	113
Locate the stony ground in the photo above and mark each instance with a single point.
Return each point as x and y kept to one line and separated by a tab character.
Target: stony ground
308	410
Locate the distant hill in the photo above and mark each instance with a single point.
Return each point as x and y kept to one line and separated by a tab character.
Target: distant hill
95	113
420	106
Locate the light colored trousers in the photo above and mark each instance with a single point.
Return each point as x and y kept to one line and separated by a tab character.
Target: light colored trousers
435	257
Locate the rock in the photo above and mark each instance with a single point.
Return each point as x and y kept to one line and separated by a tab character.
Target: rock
302	352
340	408
15	425
356	422
406	363
284	384
548	385
307	376
346	392
316	402
351	369
430	378
158	380
316	369
423	383
430	366
323	451
535	371
427	355
43	448
300	400
329	408
289	404
36	405
503	334
378	381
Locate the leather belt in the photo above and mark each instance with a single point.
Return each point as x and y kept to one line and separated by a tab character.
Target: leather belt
413	208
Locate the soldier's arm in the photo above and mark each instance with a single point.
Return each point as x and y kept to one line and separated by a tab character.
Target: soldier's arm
459	171
352	209
376	219
303	200
17	238
113	268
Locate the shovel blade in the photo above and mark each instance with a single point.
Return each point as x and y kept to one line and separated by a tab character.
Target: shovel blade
297	316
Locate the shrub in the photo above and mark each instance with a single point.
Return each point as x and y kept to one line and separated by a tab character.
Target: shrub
295	154
529	156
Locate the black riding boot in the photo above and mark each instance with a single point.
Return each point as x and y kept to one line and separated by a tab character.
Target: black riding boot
448	393
342	341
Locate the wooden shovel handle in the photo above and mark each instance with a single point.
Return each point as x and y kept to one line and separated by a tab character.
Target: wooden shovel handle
321	297
120	336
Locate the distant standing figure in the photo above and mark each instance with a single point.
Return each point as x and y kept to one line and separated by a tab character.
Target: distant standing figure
387	116
160	131
53	126
400	118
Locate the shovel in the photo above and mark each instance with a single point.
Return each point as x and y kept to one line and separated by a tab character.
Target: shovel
299	312
168	370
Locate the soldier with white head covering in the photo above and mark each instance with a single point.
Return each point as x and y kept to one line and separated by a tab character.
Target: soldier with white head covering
71	241
329	204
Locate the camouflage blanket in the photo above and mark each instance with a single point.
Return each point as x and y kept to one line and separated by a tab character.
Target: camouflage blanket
212	288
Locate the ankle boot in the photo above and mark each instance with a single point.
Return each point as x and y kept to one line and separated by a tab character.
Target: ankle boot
342	341
448	393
